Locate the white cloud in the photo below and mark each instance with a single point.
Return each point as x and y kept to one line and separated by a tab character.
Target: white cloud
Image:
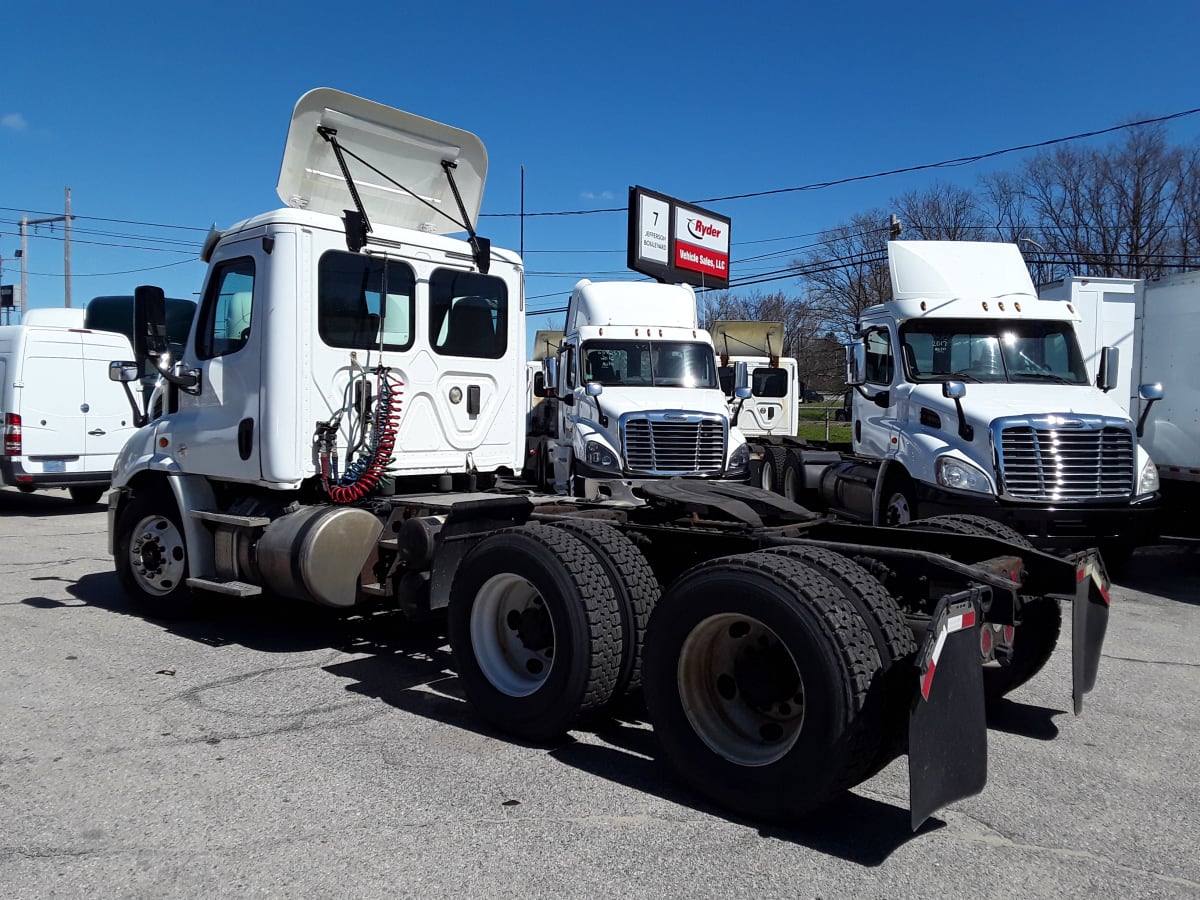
14	122
592	195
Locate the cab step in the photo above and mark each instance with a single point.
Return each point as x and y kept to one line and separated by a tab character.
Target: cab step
228	588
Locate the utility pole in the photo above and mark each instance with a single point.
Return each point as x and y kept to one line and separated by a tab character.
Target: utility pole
66	247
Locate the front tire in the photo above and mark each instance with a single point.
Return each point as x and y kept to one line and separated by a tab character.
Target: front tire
150	553
898	505
535	631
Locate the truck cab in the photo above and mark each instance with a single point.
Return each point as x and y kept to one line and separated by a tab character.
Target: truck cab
637	391
972	395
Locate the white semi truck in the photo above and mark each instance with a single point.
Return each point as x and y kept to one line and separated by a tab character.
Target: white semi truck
636	392
355	378
973	396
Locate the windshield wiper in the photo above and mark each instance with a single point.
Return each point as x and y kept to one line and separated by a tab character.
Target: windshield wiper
961	376
1044	376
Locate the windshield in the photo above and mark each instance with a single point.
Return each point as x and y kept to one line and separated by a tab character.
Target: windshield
991	350
650	364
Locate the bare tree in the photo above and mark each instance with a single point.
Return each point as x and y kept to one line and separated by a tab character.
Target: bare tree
848	272
1108	212
943	212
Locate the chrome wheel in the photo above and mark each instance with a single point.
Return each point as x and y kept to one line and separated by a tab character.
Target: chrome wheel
157	557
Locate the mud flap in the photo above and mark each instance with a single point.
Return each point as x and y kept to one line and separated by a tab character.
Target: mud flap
1089	622
947	726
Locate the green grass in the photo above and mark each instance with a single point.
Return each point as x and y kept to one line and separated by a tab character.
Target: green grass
813	419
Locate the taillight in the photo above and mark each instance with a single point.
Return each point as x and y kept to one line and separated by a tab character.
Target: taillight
12	434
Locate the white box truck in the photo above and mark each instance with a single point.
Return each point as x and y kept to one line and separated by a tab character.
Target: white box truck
355	375
1156	326
64	422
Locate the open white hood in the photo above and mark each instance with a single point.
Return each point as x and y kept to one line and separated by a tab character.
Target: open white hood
953	270
407	149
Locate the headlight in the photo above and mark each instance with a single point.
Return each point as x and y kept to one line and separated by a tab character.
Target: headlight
1148	480
600	457
739	460
961	476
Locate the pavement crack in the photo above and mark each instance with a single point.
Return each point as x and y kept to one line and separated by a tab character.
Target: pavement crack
1153	662
997	838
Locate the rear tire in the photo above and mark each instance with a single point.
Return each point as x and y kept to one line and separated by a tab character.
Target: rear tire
633	584
756	675
793	477
1034	641
886	708
1036	634
534	630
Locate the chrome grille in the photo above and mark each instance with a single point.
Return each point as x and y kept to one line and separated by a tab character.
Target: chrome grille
1092	459
661	446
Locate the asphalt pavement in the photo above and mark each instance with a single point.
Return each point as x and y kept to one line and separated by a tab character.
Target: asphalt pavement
272	750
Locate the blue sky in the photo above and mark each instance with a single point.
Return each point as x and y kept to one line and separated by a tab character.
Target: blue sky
169	113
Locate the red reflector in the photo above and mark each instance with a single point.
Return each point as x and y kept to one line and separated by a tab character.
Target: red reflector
985	641
12	434
1009	633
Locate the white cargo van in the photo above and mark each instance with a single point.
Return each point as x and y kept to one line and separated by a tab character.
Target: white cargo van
63	420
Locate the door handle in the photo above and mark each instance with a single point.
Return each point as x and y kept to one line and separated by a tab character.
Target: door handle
96	432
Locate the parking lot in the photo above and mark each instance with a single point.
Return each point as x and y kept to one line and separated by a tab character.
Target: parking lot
273	750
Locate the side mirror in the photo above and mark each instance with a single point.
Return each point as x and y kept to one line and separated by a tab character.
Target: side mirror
954	390
1107	376
856	363
539	384
743	392
741	377
550	376
1151	391
124	372
594	389
149	322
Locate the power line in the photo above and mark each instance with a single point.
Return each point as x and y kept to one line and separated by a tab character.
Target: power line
943	164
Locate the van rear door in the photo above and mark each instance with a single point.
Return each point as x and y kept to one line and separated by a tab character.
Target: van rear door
108	417
49	401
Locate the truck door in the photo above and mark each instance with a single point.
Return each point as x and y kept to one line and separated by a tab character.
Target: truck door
217	431
567	381
875	426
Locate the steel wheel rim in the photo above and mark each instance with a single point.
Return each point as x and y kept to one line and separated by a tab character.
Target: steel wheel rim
157	556
723	703
512	634
791	484
766	478
899	512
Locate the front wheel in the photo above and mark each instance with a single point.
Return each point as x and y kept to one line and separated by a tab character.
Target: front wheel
899	504
150	554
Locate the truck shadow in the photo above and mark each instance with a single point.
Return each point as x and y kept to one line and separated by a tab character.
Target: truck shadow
409	667
1169	570
43	504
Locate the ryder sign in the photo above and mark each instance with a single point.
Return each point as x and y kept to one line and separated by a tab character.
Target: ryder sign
676	242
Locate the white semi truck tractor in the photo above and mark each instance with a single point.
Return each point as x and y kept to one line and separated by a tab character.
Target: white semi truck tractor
338	429
972	397
636	390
